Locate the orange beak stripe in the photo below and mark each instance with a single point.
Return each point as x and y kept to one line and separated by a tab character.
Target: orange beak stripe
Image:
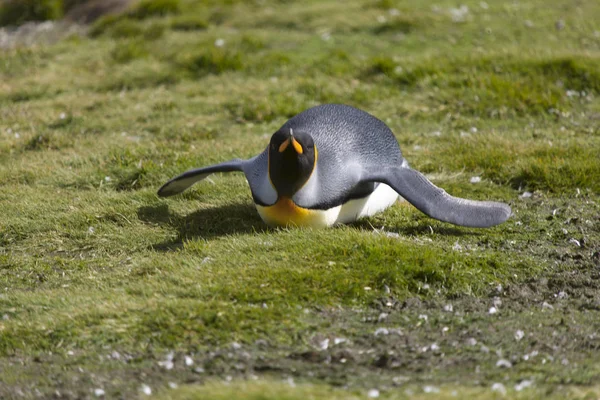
297	146
284	145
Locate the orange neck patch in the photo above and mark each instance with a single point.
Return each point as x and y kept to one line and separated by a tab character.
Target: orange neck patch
285	212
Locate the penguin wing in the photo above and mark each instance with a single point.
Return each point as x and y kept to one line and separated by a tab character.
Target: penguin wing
188	178
434	201
256	171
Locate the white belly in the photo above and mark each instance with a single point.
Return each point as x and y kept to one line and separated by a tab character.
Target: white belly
288	214
381	198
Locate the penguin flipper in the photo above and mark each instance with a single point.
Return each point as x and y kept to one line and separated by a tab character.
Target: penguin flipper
435	202
188	178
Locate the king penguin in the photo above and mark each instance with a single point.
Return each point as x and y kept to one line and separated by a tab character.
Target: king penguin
334	164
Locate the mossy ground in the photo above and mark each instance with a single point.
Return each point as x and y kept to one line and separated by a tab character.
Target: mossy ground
105	286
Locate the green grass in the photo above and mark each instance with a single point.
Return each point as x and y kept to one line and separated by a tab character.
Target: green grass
13	13
266	390
101	281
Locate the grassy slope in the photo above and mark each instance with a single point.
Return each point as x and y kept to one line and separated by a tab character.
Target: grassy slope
102	280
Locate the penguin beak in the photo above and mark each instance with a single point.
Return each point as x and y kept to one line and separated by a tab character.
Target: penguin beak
295	144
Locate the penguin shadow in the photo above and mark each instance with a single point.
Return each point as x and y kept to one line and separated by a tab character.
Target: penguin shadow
207	223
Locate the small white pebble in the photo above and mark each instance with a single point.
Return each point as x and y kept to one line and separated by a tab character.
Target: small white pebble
575	242
547	306
434	347
473	129
324	344
448	308
475	179
62	115
492	310
459	14
167	364
572	93
382	331
339	340
220	42
423	317
519	335
430	389
498	387
147	390
526	195
502	363
99	392
373	394
236	346
107	179
523	385
189	361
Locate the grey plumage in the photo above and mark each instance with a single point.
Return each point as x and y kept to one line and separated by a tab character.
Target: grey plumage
356	152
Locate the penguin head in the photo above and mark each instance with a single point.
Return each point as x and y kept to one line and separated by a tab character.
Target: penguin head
292	159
